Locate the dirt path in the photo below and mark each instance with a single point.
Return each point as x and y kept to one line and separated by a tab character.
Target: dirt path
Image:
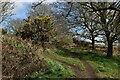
88	69
89	72
76	69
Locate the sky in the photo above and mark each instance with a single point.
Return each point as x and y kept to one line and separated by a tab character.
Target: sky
21	9
22	6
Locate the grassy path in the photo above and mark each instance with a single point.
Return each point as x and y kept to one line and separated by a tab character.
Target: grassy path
89	71
77	70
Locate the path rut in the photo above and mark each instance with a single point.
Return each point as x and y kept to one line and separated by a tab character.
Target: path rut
87	73
76	69
88	69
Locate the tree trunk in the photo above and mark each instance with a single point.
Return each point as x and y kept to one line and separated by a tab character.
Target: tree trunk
110	49
93	42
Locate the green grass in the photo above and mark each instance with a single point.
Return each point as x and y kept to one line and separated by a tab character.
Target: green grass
77	50
55	54
55	70
72	61
103	66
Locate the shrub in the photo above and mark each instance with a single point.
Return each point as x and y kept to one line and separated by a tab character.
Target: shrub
63	41
38	30
4	31
18	61
80	42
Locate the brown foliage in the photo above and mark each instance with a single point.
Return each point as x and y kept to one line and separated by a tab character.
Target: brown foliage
4	31
20	65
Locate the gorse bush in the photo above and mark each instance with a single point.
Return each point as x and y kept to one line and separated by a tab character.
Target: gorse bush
40	29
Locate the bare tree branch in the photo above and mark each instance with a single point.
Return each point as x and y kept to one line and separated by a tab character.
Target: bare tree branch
69	9
39	3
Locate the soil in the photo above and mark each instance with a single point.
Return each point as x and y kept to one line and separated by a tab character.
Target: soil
87	73
77	70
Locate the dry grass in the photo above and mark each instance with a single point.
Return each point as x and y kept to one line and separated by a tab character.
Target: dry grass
19	62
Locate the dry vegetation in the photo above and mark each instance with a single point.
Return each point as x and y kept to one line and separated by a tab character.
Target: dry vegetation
19	63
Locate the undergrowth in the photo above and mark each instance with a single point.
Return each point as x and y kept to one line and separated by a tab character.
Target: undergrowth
18	61
55	70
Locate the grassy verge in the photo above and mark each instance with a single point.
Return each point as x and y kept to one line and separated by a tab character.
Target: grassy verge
73	61
55	70
103	66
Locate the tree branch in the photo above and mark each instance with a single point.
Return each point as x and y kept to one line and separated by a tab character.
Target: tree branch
39	3
69	9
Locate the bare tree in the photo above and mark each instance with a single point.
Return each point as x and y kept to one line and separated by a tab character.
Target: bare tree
110	22
13	25
89	23
108	14
5	10
84	23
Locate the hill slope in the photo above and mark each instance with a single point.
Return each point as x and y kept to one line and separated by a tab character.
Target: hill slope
21	60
